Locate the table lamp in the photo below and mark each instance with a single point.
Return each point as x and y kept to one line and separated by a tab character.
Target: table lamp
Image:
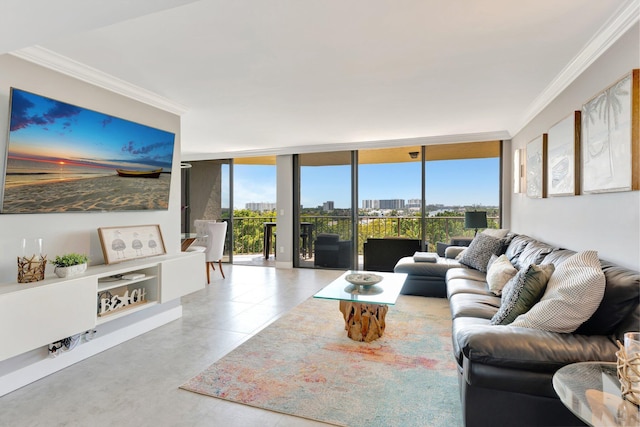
475	219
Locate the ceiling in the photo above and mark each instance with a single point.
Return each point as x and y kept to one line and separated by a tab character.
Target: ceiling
258	77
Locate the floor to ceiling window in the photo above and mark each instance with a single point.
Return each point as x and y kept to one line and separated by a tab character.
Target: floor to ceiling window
389	201
458	178
254	210
346	198
415	192
324	210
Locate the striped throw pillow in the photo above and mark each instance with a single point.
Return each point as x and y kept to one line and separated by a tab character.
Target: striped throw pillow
573	294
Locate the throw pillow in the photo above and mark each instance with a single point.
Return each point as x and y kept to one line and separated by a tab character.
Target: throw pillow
459	256
500	233
522	292
479	252
573	294
499	272
493	259
425	257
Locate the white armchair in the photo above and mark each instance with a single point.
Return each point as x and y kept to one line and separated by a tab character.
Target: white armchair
217	234
211	243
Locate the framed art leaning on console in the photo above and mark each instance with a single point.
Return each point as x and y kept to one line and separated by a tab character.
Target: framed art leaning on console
130	242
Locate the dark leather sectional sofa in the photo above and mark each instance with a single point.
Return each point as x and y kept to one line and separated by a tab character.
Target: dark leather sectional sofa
505	372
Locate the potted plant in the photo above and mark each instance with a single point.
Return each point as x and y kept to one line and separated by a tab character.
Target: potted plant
69	264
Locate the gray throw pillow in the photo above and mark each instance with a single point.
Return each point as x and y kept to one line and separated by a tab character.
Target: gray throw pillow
479	252
522	292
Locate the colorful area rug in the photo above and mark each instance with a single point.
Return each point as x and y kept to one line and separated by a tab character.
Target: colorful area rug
305	365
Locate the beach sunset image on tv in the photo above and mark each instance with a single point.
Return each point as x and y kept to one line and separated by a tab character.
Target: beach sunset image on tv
64	158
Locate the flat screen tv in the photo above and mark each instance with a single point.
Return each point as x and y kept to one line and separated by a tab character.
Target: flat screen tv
65	158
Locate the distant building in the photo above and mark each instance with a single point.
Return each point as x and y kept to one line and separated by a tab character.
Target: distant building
259	207
392	204
413	203
383	204
327	206
371	204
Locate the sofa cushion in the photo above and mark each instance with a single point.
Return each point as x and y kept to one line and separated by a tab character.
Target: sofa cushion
461	285
516	246
479	252
522	292
425	269
473	305
558	256
621	296
573	294
499	273
462	326
533	253
467	273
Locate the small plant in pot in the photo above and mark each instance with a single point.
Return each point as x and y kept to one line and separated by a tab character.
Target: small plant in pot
69	264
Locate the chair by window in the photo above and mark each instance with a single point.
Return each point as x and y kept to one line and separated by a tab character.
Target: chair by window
331	252
216	234
383	254
200	242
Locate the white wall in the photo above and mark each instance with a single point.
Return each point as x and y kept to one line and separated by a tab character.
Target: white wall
608	223
77	232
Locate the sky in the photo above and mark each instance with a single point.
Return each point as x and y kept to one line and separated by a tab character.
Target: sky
449	182
45	132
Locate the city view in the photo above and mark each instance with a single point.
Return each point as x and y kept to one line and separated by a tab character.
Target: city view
388	200
384	189
395	207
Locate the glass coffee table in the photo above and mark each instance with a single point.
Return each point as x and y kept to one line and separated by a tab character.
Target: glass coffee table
591	390
364	307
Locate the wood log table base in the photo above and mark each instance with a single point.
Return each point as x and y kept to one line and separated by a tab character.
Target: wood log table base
363	322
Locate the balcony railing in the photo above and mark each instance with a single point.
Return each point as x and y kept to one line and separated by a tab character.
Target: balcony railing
248	232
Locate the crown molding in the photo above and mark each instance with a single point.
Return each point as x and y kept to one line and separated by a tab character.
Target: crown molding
347	146
62	64
625	17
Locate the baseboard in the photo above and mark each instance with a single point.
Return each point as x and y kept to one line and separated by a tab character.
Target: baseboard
42	368
284	264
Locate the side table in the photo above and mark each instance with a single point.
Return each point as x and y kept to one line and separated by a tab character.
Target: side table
591	390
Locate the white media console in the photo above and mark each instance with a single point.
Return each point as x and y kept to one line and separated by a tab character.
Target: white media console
33	315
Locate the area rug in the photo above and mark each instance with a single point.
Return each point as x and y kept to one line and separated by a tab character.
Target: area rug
305	365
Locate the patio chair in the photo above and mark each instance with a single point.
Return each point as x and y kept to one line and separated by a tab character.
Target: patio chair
331	252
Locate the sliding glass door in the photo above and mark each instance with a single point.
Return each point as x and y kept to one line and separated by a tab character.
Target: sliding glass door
389	205
324	211
460	177
416	193
254	211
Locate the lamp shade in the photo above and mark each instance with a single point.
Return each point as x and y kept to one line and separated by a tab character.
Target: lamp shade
475	219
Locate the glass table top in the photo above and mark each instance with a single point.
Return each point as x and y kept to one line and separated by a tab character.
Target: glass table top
591	390
384	292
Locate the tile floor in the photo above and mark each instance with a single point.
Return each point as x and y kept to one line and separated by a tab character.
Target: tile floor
136	383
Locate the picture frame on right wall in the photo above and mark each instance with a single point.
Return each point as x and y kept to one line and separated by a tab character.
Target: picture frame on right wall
563	157
536	167
611	138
